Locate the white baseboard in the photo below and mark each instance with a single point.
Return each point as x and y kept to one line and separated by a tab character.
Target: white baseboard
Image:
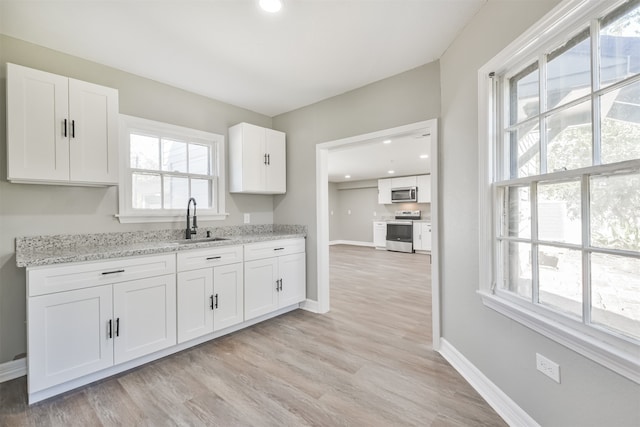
13	369
351	242
509	410
310	305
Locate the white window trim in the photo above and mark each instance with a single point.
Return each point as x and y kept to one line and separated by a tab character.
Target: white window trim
129	215
558	26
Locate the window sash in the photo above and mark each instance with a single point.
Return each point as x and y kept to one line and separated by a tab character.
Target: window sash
162	131
615	351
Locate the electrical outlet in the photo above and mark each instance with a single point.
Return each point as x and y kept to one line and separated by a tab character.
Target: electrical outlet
548	367
247	218
375	213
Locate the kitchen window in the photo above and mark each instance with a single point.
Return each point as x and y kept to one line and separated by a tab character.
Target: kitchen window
163	166
560	120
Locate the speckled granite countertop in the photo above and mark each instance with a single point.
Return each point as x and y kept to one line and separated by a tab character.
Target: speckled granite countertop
57	249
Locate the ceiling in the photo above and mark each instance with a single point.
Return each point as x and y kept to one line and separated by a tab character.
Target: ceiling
373	159
231	51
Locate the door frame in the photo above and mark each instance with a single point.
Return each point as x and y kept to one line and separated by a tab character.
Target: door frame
322	214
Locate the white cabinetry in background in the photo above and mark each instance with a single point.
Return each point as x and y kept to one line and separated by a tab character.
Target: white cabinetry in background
60	130
210	291
257	160
274	276
422	236
423	182
403	182
384	191
88	316
380	234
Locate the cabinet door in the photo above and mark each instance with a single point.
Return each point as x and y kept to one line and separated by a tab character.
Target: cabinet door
291	269
260	295
228	286
68	334
93	146
424	188
403	181
380	234
37	141
253	158
195	303
384	191
276	169
426	236
417	236
145	314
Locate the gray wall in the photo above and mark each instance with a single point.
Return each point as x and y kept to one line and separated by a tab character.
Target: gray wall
30	209
503	350
408	97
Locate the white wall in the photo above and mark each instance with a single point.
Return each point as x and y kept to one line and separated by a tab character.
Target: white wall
29	209
503	350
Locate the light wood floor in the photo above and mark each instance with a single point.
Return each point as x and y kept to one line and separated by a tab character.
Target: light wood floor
366	363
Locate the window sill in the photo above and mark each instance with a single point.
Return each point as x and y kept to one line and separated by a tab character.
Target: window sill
135	218
621	361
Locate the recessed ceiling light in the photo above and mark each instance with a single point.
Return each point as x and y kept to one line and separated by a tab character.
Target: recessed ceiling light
271	6
424	156
347	176
391	171
386	141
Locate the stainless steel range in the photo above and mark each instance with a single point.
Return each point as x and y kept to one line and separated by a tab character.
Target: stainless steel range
400	231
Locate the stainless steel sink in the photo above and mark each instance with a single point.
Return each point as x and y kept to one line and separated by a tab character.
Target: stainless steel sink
202	240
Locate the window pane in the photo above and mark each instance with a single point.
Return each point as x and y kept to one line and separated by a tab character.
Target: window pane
560	279
559	212
621	124
569	71
176	192
145	152
517	268
145	191
201	191
615	208
199	159
525	150
524	94
174	156
518	212
615	293
569	138
620	46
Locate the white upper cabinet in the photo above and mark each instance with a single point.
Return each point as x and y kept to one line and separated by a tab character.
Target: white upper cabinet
403	182
384	191
60	130
424	188
257	159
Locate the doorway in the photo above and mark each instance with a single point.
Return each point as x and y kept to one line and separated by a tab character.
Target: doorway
322	214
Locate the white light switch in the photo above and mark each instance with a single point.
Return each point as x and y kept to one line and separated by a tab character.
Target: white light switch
247	218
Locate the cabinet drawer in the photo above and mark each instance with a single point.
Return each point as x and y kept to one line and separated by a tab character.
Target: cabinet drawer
273	248
210	257
46	280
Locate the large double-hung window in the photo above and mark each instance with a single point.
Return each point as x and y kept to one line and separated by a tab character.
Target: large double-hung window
563	160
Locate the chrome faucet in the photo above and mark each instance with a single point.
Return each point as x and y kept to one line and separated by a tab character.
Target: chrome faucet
191	228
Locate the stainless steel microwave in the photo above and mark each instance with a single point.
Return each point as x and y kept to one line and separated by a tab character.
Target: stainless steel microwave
404	195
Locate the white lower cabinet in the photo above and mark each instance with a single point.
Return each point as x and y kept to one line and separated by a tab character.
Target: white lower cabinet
210	298
89	320
421	236
69	335
77	332
380	234
275	276
145	316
